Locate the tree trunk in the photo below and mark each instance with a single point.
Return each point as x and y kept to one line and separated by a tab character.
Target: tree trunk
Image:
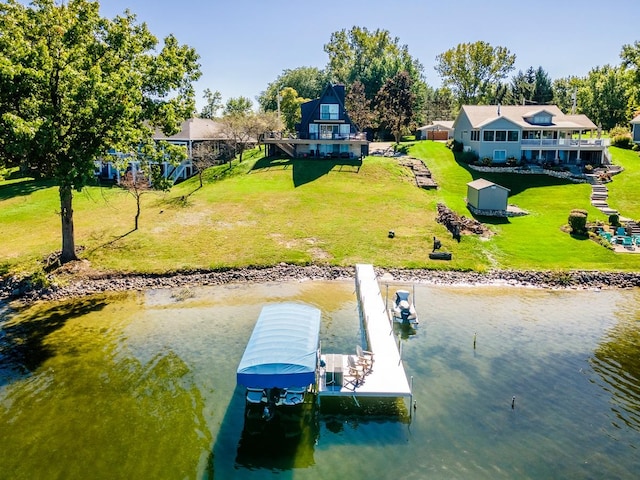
66	215
137	212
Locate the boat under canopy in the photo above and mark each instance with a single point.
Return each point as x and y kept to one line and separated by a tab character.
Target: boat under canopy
283	349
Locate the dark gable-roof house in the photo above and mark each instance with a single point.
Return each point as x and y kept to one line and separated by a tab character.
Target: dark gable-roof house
325	130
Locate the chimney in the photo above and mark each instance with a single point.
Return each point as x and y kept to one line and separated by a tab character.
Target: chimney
498	109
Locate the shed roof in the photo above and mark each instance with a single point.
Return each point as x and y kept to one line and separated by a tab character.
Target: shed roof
283	349
481	184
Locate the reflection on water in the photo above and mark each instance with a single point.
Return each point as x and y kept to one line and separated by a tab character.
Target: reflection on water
617	362
143	386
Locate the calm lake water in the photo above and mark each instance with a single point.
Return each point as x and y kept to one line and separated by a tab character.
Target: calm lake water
143	386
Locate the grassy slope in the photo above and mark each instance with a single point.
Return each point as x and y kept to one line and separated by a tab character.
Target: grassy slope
267	211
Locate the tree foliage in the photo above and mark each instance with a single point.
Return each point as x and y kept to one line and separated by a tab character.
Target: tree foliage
290	103
564	91
395	102
603	96
372	58
214	103
358	106
308	82
74	85
440	105
238	105
244	129
473	69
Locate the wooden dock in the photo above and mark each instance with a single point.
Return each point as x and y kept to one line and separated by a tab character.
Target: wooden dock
387	377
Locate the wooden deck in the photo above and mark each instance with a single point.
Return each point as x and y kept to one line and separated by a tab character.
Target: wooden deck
387	377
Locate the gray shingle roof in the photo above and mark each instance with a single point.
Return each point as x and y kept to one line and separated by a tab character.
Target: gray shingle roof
481	115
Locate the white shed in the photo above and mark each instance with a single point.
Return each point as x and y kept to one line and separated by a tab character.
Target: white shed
483	195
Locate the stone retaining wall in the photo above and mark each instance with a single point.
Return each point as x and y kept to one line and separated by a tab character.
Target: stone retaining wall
12	289
527	171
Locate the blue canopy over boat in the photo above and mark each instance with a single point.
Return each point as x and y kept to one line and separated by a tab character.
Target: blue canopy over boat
283	349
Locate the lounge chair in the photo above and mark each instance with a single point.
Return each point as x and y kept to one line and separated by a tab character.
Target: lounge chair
365	358
627	242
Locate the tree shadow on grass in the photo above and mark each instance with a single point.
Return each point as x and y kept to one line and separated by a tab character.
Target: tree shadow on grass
23	347
515	182
23	188
306	170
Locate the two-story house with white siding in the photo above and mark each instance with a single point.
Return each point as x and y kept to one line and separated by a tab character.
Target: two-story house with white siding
534	134
325	130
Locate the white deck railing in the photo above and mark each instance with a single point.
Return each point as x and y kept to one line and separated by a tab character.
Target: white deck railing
565	142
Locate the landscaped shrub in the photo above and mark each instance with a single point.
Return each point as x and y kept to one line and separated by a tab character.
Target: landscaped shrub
512	162
614	220
455	145
588	168
622	141
578	221
486	161
469	158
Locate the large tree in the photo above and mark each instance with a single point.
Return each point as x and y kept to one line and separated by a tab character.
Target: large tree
604	96
74	85
473	70
395	103
372	58
309	82
358	106
441	105
214	103
631	61
543	90
565	92
290	103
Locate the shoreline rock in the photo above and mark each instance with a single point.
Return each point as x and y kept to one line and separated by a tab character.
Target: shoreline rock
80	286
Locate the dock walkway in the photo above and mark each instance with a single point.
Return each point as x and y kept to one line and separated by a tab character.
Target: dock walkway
387	377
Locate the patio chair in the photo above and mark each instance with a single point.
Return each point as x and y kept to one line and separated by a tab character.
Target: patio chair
355	373
365	358
621	231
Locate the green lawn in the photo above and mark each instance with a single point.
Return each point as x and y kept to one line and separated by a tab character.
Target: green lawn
266	211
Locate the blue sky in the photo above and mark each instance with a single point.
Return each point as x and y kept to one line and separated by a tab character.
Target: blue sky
245	44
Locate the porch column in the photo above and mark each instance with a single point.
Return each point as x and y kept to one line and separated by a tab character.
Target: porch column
578	159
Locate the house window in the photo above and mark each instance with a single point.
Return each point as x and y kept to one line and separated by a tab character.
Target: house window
499	155
329	111
512	136
542	119
313	131
345	129
501	135
475	135
327	131
488	135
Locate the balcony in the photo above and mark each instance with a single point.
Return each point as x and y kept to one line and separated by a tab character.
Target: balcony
565	143
300	137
